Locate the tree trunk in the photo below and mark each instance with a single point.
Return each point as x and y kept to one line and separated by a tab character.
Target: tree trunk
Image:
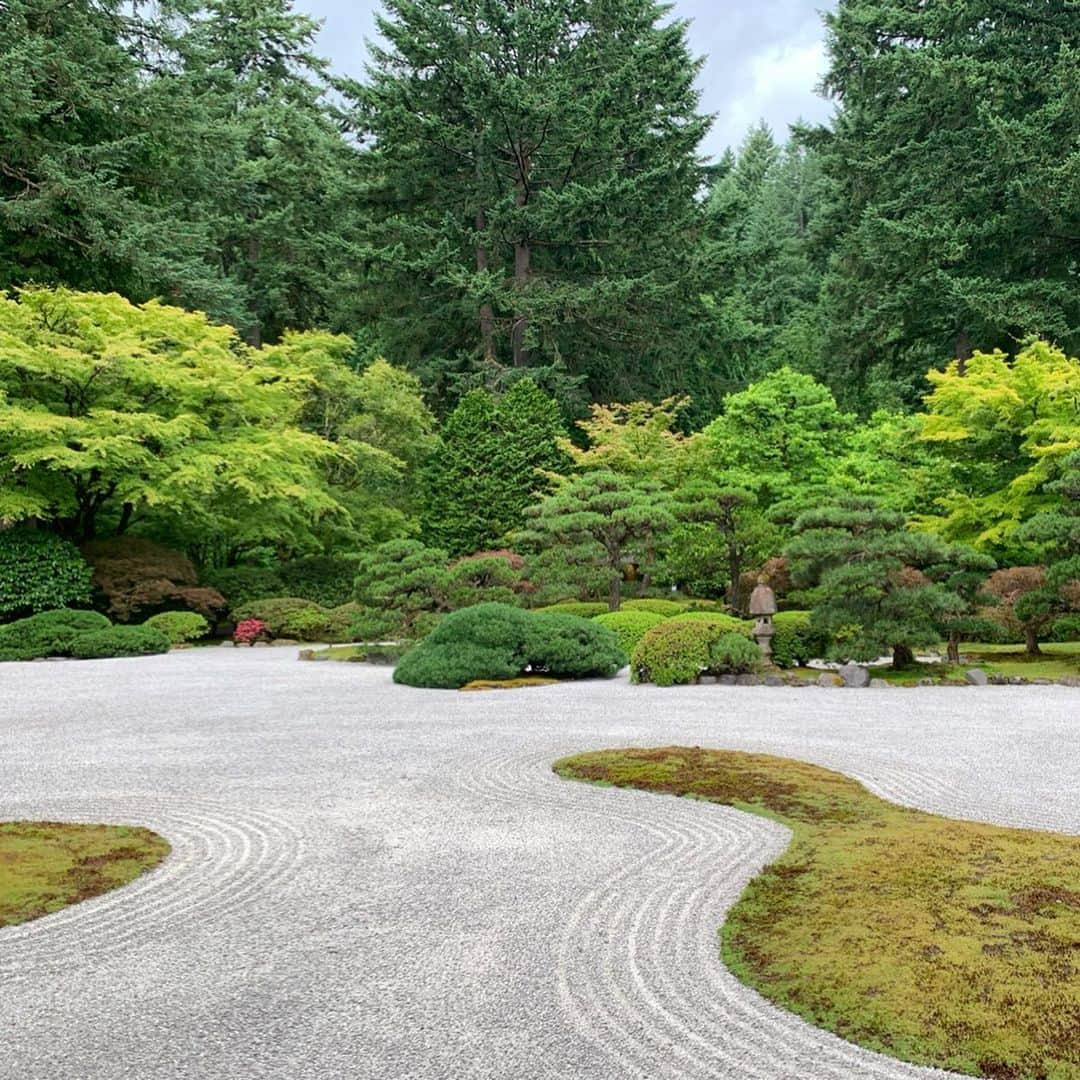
615	592
1031	642
954	647
522	271
902	657
254	332
734	556
962	350
487	312
125	518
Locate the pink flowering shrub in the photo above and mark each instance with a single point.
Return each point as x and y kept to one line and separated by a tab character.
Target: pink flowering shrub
249	631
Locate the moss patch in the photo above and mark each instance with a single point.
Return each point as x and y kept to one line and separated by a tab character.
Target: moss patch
47	865
507	684
945	943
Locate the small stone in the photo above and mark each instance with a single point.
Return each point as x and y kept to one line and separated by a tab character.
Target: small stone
261	645
976	677
774	680
1069	680
747	680
1042	682
228	644
306	654
854	675
1017	680
879	684
925	682
827	678
727	680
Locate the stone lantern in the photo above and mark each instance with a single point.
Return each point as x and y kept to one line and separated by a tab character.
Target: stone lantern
763	608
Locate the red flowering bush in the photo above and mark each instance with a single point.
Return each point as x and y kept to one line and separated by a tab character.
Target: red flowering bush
249	631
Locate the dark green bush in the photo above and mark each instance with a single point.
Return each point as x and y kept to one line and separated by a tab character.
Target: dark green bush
497	641
326	579
119	641
49	633
667	608
39	571
241	585
629	626
681	650
287	616
585	609
796	642
732	654
179	626
339	622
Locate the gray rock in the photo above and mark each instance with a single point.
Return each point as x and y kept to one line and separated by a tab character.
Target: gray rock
925	682
976	677
879	684
1042	682
747	680
774	680
854	675
827	678
228	643
727	680
1069	680
261	645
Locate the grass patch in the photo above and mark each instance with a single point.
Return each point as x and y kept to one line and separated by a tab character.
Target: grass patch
359	654
1058	659
508	684
47	865
945	943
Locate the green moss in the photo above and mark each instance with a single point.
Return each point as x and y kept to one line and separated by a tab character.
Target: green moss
946	943
47	865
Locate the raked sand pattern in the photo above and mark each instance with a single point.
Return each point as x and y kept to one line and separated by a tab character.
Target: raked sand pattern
371	881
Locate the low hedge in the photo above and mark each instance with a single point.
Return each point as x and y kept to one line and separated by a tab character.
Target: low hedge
49	633
629	626
732	623
667	608
304	620
683	649
796	642
179	627
498	641
585	609
119	641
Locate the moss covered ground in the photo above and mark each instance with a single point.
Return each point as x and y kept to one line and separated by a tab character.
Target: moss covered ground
47	865
941	942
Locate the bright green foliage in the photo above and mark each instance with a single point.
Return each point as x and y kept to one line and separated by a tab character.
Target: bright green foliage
777	436
286	616
585	609
490	464
796	640
874	586
119	641
38	571
952	161
534	180
496	641
110	413
1006	428
629	626
683	649
731	624
403	585
49	633
885	924
598	523
179	626
667	608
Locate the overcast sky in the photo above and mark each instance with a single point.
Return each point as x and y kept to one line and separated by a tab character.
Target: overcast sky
763	57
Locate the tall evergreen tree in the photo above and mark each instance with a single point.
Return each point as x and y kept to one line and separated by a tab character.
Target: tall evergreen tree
535	174
954	155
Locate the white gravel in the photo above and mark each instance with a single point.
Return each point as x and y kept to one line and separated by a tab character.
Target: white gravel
371	881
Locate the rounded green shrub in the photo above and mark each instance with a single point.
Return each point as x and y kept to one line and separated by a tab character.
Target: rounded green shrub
179	626
734	624
732	654
339	622
287	616
49	633
585	609
629	626
667	608
119	641
40	571
680	650
796	642
499	641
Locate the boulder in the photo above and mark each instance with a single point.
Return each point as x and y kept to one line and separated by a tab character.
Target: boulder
228	644
774	680
976	677
854	675
727	680
879	684
747	680
827	678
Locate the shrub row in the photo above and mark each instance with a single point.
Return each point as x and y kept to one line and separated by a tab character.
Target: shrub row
82	634
499	641
682	649
304	620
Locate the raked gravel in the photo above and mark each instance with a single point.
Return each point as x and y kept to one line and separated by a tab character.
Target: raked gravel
371	881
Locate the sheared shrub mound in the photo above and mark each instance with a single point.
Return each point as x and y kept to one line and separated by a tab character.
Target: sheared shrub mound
119	641
667	608
629	626
49	633
39	571
498	641
946	943
179	626
796	642
683	649
586	609
135	578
